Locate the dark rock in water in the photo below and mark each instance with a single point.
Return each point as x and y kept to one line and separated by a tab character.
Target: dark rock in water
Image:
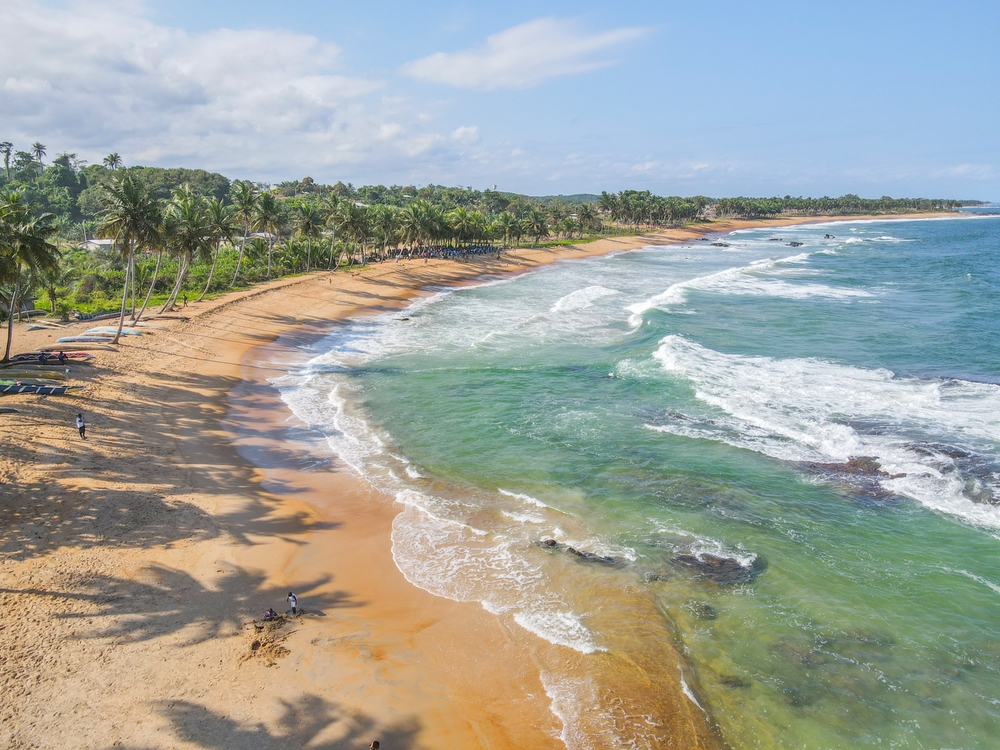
734	681
703	611
775	239
590	557
722	570
651	576
720	244
862	465
794	244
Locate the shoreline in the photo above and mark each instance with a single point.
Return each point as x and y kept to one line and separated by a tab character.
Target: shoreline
228	518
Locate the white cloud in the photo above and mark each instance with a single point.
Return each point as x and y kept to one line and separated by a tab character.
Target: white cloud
465	134
522	56
95	77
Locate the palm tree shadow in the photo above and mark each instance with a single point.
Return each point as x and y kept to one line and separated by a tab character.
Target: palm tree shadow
161	601
310	721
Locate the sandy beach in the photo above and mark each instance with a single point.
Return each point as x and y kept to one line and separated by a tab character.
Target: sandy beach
134	563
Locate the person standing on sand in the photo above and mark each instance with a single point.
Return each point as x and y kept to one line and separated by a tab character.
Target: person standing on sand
293	602
81	426
374	745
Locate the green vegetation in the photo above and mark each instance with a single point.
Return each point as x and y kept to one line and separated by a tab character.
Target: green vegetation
129	238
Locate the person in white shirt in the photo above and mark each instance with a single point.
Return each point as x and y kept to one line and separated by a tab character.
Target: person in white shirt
293	602
81	426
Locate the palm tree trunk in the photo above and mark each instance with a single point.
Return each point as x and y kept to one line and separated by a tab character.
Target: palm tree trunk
149	292
308	254
131	262
10	321
239	260
333	241
210	273
169	304
121	314
270	245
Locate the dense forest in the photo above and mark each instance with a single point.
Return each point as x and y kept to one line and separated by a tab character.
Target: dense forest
82	238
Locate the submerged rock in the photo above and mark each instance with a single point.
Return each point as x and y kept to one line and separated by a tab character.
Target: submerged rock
590	557
703	611
733	682
721	570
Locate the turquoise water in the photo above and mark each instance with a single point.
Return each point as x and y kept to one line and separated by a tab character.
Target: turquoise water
703	401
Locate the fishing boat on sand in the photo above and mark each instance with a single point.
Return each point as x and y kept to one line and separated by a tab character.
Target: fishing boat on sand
85	339
41	390
51	357
101	346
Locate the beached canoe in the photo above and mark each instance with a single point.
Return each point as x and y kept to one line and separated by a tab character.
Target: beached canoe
41	390
51	357
97	347
85	339
35	374
111	330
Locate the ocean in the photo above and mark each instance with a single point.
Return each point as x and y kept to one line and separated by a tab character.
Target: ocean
764	472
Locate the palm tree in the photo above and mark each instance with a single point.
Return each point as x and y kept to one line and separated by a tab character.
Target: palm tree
268	217
461	222
6	147
113	161
25	251
308	225
221	226
330	206
384	222
38	151
244	196
187	234
131	216
537	225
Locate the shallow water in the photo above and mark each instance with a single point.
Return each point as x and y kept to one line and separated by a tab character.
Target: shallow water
694	400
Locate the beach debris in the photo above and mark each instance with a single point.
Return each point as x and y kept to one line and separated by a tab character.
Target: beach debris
590	557
719	569
264	641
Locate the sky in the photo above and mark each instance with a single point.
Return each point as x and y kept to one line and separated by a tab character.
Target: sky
681	98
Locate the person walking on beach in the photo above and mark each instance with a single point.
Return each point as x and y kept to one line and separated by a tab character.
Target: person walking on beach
81	426
293	602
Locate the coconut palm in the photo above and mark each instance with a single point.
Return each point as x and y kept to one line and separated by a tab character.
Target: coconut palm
244	196
187	234
6	148
308	220
38	151
536	224
221	225
268	218
25	251
130	215
113	161
329	207
384	223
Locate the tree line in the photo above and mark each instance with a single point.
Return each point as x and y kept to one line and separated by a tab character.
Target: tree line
166	234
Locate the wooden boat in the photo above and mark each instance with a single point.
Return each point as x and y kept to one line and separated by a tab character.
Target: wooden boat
34	374
51	357
85	339
41	326
41	390
109	331
95	347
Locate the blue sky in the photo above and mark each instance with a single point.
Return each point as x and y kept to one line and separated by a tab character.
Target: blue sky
555	97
